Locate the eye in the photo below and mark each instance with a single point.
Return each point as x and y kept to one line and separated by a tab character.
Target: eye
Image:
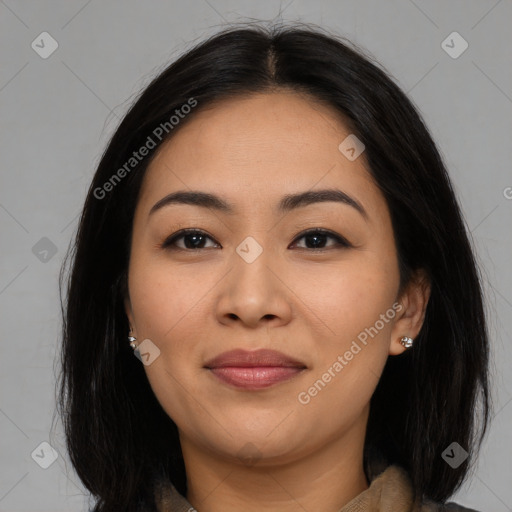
315	239
194	239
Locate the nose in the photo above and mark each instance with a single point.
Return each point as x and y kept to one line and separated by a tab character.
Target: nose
255	293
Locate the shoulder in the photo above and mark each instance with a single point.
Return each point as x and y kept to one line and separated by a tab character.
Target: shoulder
394	482
430	506
393	485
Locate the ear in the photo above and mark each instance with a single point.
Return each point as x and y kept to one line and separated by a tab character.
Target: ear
410	317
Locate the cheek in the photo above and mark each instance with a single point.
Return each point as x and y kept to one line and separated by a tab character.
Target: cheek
171	309
348	365
350	296
162	297
167	308
354	302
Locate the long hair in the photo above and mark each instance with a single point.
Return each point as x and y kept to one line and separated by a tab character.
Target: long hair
120	440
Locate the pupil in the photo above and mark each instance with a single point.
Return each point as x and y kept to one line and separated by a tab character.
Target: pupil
317	240
196	238
315	244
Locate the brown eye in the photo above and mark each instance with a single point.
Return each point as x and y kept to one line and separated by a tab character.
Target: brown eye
192	238
316	239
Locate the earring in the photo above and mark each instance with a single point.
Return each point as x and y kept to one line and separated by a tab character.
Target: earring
132	341
406	341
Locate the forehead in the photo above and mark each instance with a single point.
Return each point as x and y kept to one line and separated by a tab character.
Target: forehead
257	148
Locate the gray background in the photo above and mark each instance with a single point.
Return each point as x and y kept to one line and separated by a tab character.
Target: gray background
58	113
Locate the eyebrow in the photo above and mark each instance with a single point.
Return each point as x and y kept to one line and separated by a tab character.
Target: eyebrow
287	203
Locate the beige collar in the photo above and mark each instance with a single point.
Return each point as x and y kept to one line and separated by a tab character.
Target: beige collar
390	491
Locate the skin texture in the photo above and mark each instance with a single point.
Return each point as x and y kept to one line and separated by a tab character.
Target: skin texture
264	450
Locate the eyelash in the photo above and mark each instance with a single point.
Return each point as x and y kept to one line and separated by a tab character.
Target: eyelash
340	241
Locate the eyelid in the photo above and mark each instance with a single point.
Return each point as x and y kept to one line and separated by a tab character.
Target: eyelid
341	242
168	242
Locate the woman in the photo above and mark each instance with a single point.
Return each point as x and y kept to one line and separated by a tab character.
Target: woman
272	232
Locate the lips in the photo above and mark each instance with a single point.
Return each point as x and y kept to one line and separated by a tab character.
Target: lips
256	369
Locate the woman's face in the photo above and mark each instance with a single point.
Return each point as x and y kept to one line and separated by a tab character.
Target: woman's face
251	280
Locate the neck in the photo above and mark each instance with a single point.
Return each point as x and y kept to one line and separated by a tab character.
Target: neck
325	479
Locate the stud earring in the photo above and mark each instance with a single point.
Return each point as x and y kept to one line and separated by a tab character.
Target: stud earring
132	340
406	341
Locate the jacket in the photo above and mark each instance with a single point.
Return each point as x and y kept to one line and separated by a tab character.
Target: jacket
390	491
